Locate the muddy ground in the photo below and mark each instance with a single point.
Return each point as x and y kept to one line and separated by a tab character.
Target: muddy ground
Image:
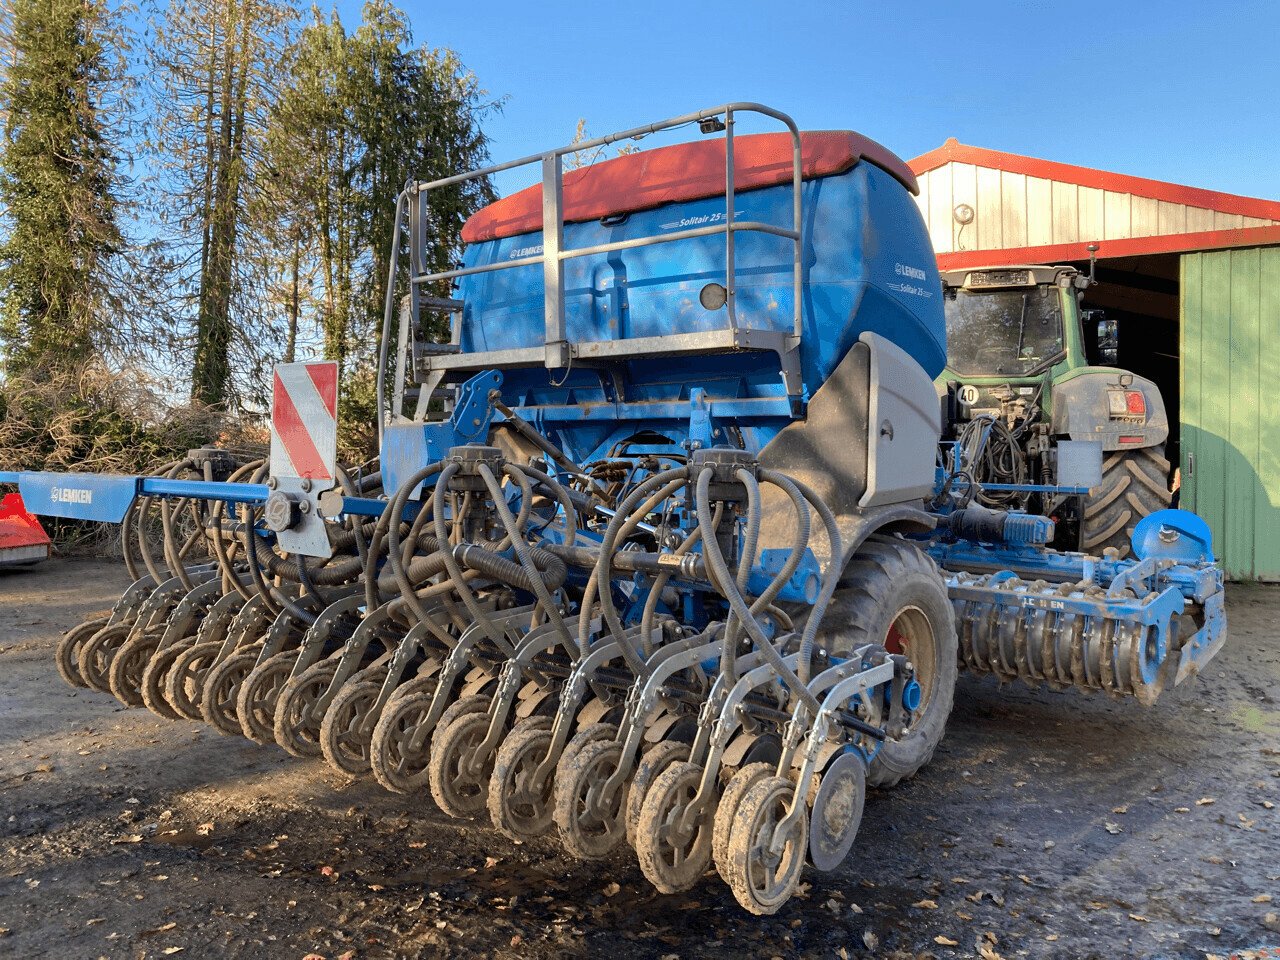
1048	825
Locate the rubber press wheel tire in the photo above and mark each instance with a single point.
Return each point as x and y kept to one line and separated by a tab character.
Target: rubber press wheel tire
222	689
129	664
259	691
297	726
156	675
68	653
892	593
396	769
1133	485
184	683
651	766
344	733
727	809
95	655
518	808
672	860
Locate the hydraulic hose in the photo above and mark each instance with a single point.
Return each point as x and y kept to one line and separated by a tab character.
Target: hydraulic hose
737	605
670	481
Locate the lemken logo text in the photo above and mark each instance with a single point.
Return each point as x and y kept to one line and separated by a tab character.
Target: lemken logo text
71	495
902	270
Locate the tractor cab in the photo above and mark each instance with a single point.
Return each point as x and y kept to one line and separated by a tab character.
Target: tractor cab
1007	328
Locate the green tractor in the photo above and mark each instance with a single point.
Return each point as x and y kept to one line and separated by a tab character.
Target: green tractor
1019	382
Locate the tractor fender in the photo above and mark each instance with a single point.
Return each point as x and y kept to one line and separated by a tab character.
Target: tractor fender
1081	411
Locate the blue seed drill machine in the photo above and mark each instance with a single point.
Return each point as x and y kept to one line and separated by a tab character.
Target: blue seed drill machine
661	548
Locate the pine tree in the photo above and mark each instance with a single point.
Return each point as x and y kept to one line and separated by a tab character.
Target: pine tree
58	183
372	111
216	64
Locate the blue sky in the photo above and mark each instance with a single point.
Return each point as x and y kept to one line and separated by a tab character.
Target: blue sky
1176	90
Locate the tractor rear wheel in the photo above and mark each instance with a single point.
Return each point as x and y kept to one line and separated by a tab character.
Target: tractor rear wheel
1134	484
893	594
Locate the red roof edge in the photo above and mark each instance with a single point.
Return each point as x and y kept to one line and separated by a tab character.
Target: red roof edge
1114	249
953	151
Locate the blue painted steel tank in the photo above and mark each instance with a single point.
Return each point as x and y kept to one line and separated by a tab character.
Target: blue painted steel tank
867	266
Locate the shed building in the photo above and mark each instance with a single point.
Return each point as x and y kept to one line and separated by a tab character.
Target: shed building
1193	278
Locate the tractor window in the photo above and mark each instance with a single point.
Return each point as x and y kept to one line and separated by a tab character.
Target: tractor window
1002	332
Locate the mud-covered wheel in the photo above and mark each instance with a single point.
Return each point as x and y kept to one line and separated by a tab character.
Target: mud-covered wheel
184	682
656	759
763	879
1134	484
256	701
221	689
673	855
519	806
125	673
395	764
893	594
68	652
458	774
590	823
346	731
722	826
96	653
156	674
297	721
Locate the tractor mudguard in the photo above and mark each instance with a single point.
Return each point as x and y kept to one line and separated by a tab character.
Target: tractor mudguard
1082	411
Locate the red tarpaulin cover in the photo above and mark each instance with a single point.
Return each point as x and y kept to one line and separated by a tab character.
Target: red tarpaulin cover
685	171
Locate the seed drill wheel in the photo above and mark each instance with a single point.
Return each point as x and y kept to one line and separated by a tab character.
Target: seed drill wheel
459	777
893	594
68	652
660	756
256	701
222	689
345	731
590	823
184	682
94	660
837	811
155	675
297	723
673	855
763	880
394	765
742	781
1134	484
519	806
128	665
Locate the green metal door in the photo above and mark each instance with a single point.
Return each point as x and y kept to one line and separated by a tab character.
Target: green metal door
1231	404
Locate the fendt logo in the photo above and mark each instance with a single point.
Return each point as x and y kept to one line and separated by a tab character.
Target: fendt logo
70	495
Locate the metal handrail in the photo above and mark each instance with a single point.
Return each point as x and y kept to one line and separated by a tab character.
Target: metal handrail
558	352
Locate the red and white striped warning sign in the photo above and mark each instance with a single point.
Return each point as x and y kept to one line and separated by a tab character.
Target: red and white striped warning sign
304	421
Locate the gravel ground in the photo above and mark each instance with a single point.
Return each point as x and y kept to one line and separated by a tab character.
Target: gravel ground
1048	825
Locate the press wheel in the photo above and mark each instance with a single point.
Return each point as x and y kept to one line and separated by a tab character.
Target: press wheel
590	823
297	725
520	808
761	880
222	688
673	856
345	731
68	652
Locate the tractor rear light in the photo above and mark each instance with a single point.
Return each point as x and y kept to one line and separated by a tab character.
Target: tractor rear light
1131	439
1136	403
